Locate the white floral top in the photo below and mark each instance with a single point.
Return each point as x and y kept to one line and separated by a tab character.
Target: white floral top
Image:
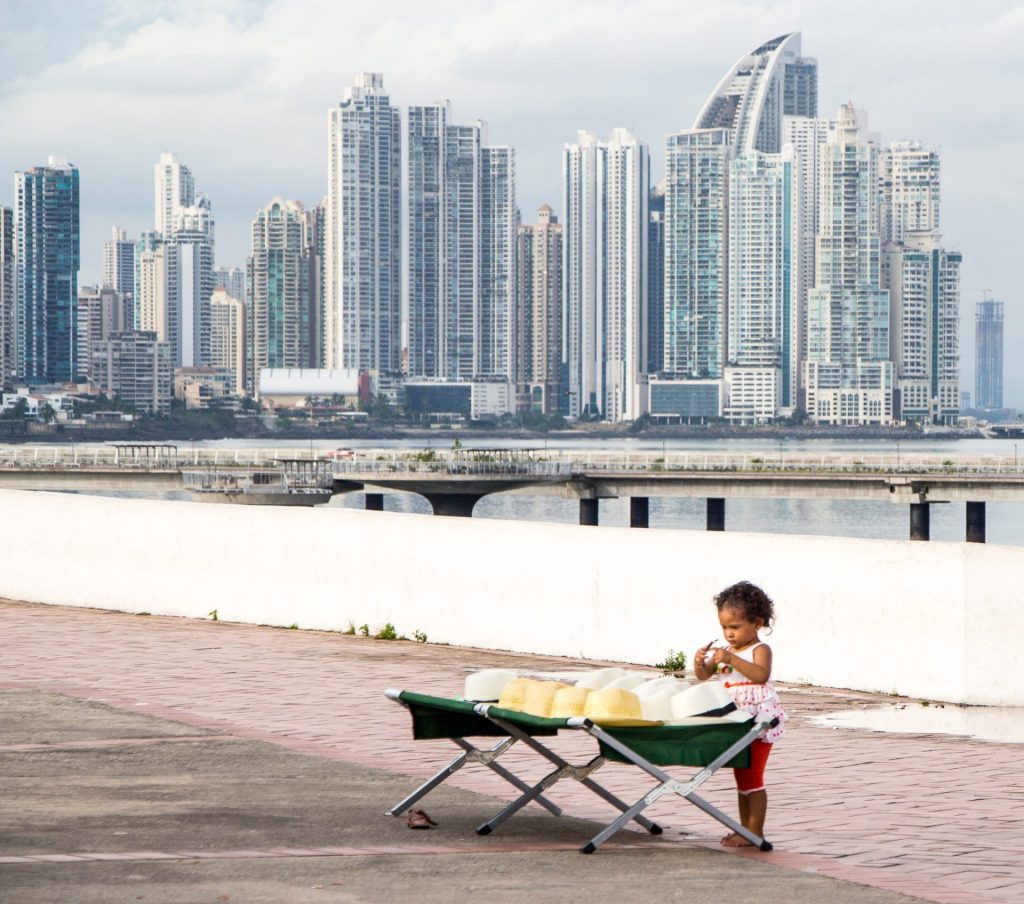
760	700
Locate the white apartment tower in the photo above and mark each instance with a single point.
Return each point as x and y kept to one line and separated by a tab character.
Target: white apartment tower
909	183
173	188
119	262
848	373
606	195
362	280
227	336
461	241
763	274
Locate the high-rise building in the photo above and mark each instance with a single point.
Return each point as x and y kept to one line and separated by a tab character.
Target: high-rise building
909	183
656	280
732	253
606	192
119	262
101	312
848	373
227	337
192	239
156	285
136	368
314	238
47	255
539	314
988	355
173	187
762	315
362	328
7	299
230	278
278	281
923	280
696	217
461	249
750	100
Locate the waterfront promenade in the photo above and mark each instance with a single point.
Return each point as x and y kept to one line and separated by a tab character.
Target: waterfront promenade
933	817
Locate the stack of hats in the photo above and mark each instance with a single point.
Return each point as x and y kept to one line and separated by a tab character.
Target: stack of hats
609	696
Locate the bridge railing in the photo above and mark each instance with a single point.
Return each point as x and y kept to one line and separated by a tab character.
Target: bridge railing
552	463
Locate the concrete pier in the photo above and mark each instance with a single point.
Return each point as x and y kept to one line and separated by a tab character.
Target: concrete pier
975	522
639	511
920	521
589	512
716	514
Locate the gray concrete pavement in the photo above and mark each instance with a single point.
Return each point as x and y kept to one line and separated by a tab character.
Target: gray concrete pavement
198	815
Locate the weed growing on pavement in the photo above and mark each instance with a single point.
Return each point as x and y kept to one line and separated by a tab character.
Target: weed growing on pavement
674	662
388	632
213	614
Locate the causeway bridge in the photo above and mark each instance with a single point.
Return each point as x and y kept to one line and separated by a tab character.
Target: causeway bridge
454	480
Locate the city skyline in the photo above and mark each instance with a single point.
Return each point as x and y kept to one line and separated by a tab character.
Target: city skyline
499	81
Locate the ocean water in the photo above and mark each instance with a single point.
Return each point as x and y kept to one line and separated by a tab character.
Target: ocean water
831	517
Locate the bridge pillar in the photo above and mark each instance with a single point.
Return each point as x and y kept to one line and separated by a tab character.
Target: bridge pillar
920	521
375	502
589	509
459	505
975	522
716	514
639	511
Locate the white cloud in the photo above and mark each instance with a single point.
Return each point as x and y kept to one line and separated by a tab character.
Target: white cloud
240	90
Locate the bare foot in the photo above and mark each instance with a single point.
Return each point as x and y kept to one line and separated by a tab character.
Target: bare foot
735	840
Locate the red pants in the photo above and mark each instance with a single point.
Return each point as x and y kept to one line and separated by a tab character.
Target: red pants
751	779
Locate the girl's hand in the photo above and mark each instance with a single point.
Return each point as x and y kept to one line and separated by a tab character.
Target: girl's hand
720	657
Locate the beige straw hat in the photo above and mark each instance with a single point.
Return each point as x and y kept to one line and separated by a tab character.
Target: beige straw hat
615	707
538	697
513	694
569	702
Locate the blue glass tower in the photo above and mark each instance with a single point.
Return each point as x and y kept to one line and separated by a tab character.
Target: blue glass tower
48	255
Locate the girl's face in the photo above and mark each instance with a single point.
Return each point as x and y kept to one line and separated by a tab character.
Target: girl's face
737	629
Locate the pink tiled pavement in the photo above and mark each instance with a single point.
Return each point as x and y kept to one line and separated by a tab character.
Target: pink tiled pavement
938	817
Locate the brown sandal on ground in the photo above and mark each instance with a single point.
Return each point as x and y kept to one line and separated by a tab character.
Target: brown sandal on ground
418	819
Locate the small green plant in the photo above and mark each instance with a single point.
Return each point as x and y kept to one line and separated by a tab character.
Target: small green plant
213	614
350	630
674	662
388	632
419	636
294	626
364	630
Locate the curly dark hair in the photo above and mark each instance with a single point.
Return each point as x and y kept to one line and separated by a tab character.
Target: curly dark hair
749	599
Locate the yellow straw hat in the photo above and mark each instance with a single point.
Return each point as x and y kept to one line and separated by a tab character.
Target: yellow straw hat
615	707
513	694
568	702
537	700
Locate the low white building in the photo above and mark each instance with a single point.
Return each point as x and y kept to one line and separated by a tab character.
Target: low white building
751	394
287	386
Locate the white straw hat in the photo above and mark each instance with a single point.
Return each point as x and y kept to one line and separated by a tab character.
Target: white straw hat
706	699
599	678
486	685
649	687
627	682
656	705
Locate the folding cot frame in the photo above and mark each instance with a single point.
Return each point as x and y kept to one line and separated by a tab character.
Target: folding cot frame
520	727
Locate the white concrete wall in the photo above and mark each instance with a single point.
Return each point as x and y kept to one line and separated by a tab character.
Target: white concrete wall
920	619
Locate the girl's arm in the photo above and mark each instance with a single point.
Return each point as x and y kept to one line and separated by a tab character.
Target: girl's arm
758	671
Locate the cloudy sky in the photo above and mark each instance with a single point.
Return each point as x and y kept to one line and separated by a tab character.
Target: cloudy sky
240	89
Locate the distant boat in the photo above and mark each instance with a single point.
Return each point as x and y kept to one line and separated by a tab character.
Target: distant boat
296	482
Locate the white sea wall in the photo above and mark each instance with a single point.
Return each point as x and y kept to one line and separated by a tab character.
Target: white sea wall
919	619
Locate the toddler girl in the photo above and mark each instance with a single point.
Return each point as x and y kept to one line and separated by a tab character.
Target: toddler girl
745	667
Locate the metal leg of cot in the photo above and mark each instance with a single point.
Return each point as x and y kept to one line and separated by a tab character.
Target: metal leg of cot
669	785
562	770
471	754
